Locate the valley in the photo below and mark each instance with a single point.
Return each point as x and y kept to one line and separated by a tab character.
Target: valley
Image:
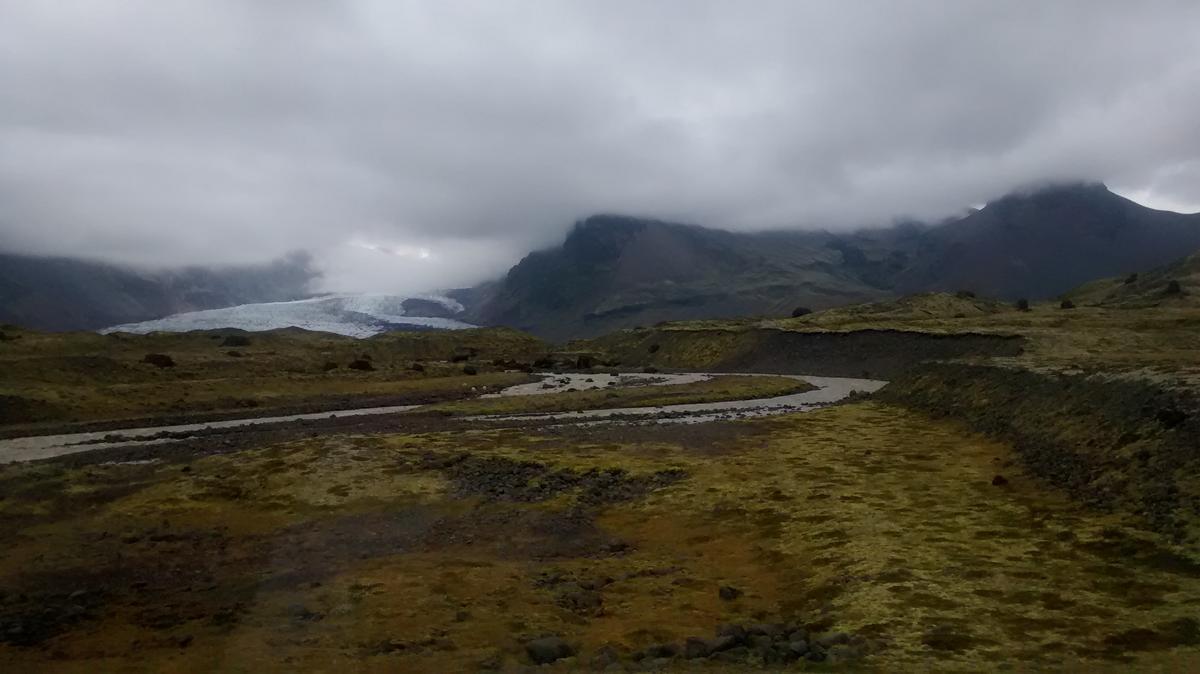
1020	493
535	337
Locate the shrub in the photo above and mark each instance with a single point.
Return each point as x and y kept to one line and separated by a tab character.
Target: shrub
653	348
964	295
1023	304
1131	278
159	360
361	364
417	367
1066	304
234	354
801	311
650	370
1173	288
584	362
470	369
329	365
236	340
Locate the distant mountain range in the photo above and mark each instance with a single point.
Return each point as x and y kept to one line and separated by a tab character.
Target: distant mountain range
613	272
53	293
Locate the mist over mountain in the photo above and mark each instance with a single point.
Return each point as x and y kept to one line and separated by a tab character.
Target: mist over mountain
616	271
1042	243
613	272
56	293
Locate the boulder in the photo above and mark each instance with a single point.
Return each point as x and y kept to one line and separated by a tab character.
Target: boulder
548	649
729	593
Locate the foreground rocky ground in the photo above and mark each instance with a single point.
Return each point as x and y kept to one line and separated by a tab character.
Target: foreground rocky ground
860	536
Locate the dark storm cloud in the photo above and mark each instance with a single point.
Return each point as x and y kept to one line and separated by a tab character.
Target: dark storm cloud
413	144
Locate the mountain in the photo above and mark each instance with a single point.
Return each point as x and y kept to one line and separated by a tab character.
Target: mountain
1043	243
352	315
615	272
70	294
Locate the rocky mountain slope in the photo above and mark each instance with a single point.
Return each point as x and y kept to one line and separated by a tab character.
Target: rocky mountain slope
1174	284
1040	244
71	294
614	272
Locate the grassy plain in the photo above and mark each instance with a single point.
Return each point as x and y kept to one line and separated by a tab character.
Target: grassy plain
56	378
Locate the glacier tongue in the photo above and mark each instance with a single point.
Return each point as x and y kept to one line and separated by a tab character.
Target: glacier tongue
351	315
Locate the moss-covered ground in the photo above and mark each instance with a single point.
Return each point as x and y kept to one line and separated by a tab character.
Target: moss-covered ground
62	378
446	550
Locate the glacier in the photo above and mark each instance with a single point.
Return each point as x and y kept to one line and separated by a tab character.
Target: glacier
350	315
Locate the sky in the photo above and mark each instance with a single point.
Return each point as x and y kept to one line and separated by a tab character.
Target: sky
417	145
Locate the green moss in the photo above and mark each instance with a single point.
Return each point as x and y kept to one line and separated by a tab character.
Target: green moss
382	551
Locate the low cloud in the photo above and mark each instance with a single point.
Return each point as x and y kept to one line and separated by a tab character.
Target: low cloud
163	133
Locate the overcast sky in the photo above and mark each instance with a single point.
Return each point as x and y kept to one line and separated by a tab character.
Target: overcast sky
412	145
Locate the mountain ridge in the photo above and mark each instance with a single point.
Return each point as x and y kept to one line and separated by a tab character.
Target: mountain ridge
615	271
60	293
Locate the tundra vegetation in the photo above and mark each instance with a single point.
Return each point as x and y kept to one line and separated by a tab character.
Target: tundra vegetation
1023	494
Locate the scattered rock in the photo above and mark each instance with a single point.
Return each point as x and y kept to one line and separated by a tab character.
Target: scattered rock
729	593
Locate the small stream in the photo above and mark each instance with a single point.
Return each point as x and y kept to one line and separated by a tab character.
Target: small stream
829	390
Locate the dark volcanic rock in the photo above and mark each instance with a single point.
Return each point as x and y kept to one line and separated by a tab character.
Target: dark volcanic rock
548	649
696	647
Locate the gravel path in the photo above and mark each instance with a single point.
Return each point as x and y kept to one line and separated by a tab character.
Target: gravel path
829	390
